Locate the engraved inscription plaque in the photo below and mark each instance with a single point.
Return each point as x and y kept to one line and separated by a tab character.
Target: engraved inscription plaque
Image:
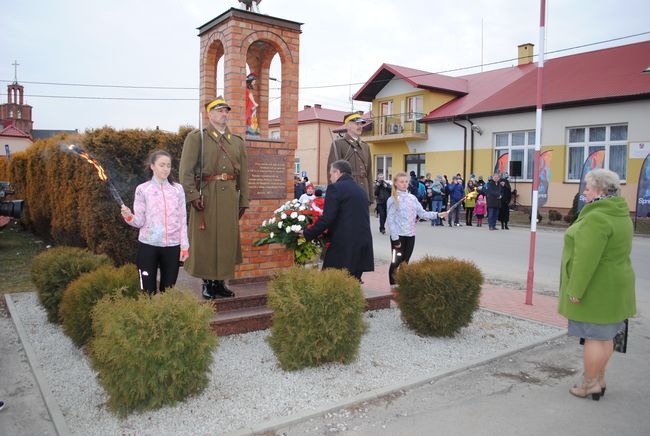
267	176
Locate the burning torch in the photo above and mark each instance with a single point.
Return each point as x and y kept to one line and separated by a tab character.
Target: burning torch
469	196
100	171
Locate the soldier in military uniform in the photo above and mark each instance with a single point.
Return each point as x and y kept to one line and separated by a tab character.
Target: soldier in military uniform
352	149
214	174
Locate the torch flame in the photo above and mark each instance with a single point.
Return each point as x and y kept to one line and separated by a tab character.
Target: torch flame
100	170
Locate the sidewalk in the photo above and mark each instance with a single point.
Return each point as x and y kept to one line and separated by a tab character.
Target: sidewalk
495	298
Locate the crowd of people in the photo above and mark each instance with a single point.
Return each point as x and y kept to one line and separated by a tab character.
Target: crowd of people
476	199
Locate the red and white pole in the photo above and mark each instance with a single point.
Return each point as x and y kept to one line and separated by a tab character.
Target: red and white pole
538	142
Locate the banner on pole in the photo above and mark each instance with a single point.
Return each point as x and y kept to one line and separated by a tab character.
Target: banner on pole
594	161
544	176
643	190
501	165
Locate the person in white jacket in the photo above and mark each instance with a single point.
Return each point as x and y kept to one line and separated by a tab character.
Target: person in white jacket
404	211
160	214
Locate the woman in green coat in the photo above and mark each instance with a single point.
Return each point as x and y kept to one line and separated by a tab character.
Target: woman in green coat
597	280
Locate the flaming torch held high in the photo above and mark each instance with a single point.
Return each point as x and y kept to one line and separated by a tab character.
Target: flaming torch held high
100	171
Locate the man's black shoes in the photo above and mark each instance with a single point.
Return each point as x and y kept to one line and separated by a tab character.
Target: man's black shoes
212	289
222	290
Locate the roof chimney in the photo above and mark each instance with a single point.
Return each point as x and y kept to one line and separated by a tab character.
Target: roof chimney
317	106
525	54
307	107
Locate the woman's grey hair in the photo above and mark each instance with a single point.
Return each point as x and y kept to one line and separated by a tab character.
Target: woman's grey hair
604	180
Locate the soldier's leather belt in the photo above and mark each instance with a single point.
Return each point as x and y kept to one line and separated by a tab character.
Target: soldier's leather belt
222	176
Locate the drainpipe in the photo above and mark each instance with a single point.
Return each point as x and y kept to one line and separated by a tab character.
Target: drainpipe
471	153
318	156
464	146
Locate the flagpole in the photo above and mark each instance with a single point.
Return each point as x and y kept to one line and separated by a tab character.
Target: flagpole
538	142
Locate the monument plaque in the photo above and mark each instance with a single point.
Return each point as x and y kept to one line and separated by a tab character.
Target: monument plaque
267	176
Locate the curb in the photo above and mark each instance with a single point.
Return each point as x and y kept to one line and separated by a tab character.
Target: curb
271	426
50	403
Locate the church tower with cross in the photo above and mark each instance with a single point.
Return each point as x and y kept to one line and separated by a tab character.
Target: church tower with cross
15	112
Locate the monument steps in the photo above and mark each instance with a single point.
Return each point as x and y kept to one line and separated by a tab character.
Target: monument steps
248	312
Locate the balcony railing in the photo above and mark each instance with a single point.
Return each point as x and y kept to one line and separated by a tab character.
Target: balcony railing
395	126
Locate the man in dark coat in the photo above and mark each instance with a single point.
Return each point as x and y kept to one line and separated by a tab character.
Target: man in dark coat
347	218
492	193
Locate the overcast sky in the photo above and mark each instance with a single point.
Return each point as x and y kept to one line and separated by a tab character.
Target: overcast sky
148	43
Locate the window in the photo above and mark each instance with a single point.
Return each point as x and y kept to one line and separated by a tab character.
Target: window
520	146
414	107
415	162
275	134
582	141
384	164
296	166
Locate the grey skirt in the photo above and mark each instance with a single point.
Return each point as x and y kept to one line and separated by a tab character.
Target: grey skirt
599	332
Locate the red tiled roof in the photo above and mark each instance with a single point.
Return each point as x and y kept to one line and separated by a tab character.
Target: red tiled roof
416	78
14	132
611	73
314	113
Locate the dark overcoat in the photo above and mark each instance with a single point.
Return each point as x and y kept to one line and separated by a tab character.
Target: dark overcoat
215	250
357	153
347	219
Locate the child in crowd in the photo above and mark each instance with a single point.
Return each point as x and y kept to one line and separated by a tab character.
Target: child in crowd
318	203
480	209
160	214
404	210
308	195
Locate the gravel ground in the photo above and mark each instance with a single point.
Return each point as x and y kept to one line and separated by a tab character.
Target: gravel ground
247	386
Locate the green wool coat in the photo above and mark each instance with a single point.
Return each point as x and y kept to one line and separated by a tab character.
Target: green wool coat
596	265
216	250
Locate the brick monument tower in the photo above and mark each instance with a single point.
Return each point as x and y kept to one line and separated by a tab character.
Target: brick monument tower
248	39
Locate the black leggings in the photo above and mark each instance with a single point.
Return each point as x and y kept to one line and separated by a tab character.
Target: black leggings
402	255
150	258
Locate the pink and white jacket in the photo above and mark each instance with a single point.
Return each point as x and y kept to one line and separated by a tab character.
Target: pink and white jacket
159	212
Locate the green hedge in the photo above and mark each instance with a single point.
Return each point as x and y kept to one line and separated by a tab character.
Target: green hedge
54	269
82	294
438	296
317	317
151	351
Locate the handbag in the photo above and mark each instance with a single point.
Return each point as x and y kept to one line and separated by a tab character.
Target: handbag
620	340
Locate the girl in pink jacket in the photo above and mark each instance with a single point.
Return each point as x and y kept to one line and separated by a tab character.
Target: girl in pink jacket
159	212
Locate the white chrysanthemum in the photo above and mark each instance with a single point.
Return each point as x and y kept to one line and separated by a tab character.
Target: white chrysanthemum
263	223
294	201
288	229
272	235
280	224
294	215
296	228
302	208
283	216
301	218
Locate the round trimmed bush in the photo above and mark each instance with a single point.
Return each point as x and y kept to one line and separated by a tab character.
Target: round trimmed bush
54	269
438	296
317	317
151	351
82	294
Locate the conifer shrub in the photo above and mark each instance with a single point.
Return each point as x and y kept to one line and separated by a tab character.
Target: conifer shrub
151	351
554	215
81	295
54	269
317	317
438	296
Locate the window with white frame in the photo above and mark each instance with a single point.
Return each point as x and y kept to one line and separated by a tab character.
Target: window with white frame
520	146
582	141
414	107
384	164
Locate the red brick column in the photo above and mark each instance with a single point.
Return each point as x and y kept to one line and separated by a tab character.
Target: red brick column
243	38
